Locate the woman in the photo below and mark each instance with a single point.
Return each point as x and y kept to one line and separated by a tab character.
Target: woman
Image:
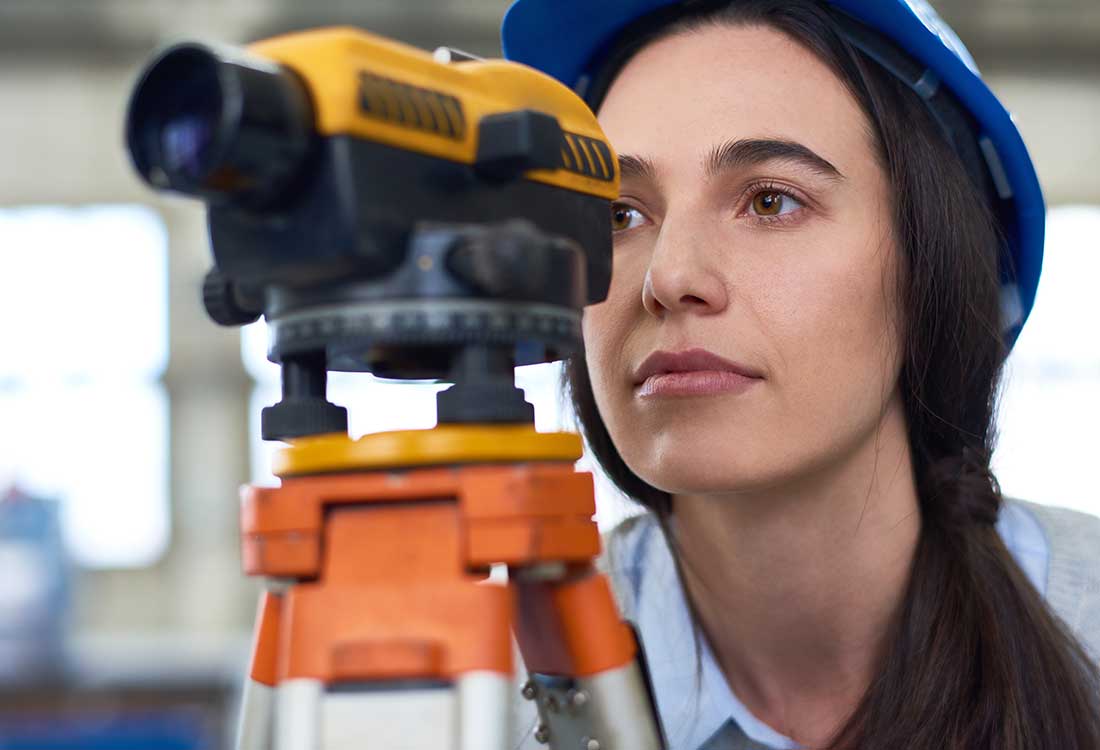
828	237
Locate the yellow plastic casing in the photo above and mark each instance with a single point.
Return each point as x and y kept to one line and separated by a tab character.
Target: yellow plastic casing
442	445
374	88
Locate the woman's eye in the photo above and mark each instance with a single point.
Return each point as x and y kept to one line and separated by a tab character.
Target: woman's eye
624	217
774	203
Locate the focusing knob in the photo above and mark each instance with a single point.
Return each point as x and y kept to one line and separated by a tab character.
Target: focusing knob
219	297
517	261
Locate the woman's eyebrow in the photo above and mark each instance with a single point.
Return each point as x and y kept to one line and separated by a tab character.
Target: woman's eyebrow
738	154
750	152
636	166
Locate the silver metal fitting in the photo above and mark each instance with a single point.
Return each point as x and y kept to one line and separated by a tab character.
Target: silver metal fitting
529	690
278	585
542	734
451	55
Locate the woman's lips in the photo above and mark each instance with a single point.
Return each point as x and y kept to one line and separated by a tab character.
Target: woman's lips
694	383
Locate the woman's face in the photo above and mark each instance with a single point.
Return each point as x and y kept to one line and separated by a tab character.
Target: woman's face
754	222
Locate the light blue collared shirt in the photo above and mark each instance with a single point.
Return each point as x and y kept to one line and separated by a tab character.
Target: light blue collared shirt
714	718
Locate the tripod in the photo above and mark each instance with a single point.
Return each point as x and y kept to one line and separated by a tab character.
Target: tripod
378	629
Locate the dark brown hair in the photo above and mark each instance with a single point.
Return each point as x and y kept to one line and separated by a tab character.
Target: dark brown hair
975	658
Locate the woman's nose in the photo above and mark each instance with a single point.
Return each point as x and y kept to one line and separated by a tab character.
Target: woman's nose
683	276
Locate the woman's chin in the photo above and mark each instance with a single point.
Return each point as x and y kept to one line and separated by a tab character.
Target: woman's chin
697	473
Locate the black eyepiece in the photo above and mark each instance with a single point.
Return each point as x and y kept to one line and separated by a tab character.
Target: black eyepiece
219	125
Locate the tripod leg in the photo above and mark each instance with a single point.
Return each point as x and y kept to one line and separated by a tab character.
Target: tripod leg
257	703
390	716
483	704
470	714
587	671
298	714
254	726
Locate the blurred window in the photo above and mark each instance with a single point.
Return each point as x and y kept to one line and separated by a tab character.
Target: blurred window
83	347
1050	403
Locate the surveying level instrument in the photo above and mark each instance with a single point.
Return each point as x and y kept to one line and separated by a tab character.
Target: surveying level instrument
416	217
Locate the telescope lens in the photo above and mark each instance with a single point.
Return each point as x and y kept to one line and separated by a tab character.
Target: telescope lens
187	132
182	142
218	125
174	118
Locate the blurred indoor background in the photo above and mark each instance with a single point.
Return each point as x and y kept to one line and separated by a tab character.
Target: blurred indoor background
128	420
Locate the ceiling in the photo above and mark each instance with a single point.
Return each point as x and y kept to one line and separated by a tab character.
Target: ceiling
1002	34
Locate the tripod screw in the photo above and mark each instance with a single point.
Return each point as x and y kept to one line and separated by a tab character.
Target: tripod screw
542	734
592	745
529	690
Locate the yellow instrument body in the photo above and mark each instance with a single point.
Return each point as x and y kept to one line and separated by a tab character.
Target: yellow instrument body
401	96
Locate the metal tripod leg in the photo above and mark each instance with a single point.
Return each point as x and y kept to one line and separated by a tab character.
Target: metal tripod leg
298	714
257	716
302	715
484	700
462	716
586	670
401	718
603	712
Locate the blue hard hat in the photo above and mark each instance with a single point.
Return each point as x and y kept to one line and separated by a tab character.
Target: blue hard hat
571	40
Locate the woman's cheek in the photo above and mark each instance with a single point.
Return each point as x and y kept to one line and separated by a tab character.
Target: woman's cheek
600	345
840	346
605	324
